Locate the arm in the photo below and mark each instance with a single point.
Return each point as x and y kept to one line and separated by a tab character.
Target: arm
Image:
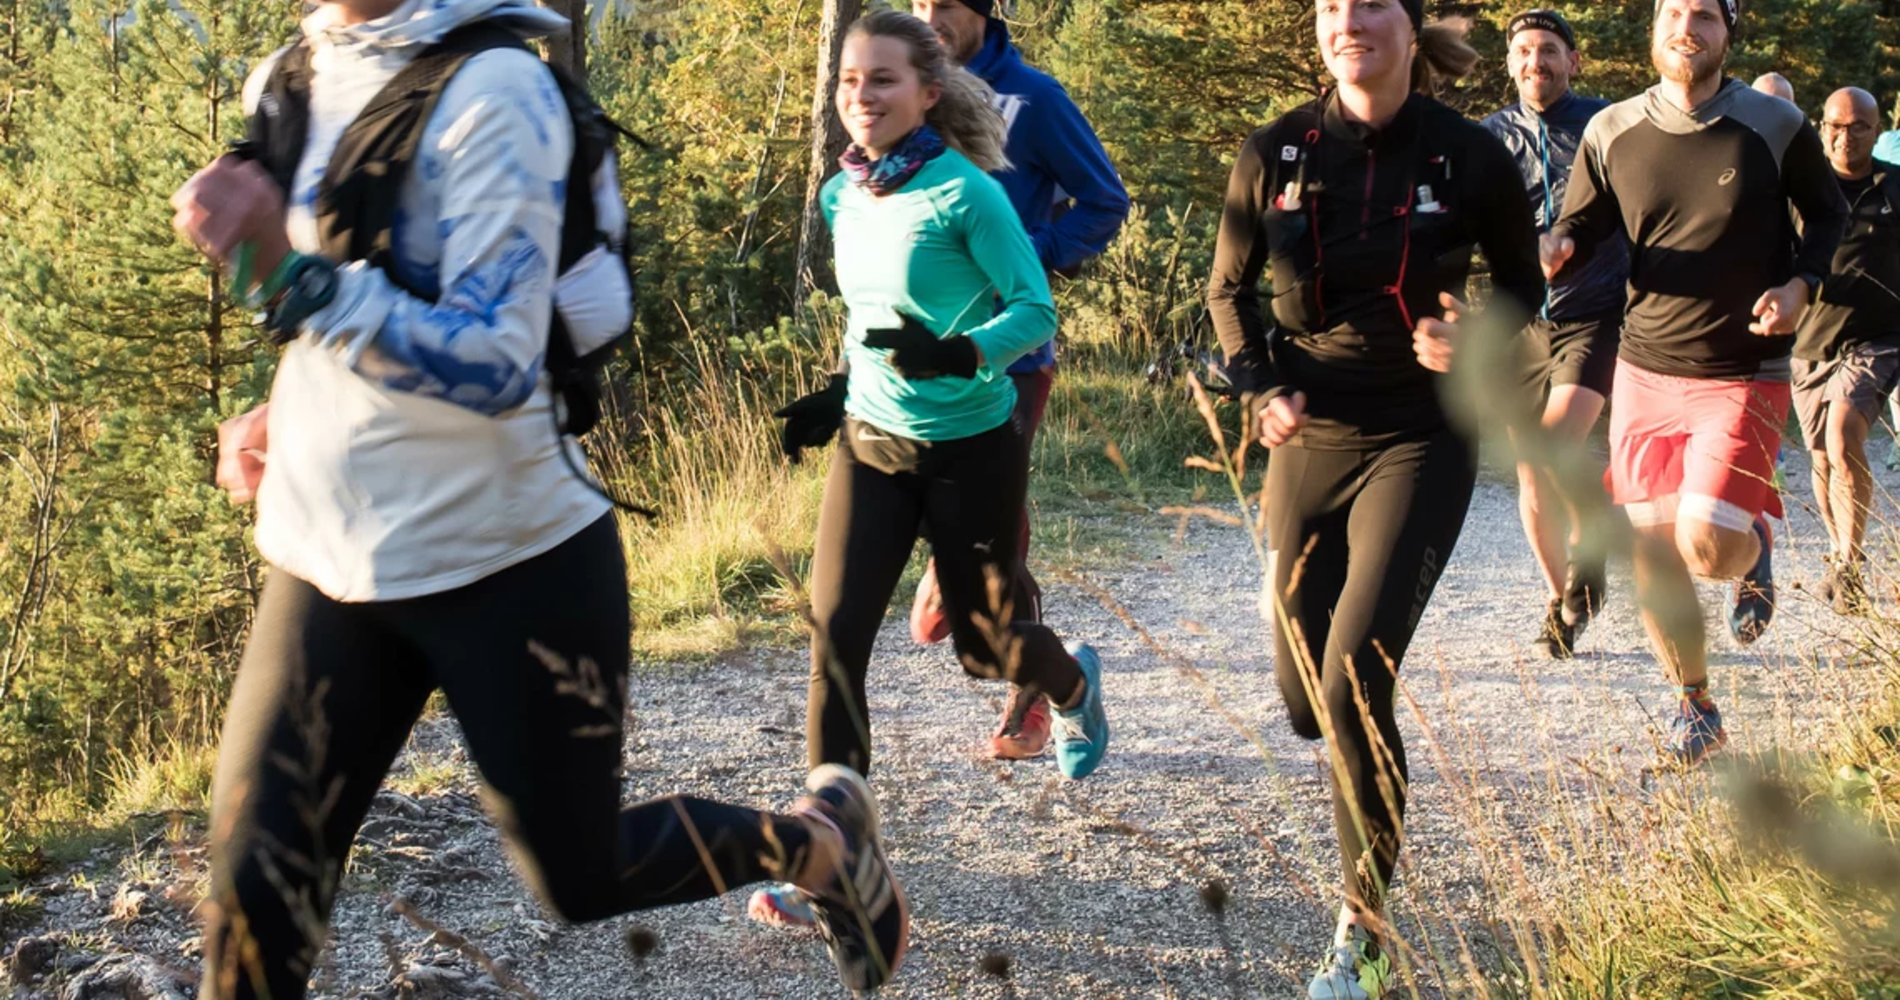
1812	188
1081	166
1506	229
481	345
1233	292
1591	213
998	244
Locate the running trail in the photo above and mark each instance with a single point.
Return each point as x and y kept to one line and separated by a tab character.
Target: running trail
1025	885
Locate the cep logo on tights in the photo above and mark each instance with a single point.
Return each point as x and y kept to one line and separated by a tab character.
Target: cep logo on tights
1428	571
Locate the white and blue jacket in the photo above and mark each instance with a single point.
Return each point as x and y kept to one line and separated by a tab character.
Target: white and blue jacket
412	443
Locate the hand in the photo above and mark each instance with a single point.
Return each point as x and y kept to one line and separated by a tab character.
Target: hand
1434	340
1779	310
1282	417
1553	252
243	448
231	202
919	354
810	421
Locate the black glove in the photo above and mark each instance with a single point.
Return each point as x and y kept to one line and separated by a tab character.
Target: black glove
919	354
811	421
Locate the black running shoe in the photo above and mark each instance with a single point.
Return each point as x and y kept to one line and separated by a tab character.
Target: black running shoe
1754	605
1585	588
1557	638
862	916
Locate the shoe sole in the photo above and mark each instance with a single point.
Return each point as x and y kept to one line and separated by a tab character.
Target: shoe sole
928	625
1008	750
1687	763
827	774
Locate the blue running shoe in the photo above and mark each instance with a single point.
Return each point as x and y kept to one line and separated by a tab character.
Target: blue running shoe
783	905
1695	733
1755	593
1082	731
1358	971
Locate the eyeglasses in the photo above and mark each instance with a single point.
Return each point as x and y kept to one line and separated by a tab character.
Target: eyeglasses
1853	130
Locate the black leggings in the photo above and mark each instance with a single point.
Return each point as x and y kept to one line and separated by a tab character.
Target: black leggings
1381	525
533	661
967	497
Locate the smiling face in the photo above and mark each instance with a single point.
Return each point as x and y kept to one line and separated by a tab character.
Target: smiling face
961	29
1690	41
1364	42
881	97
1849	125
1541	64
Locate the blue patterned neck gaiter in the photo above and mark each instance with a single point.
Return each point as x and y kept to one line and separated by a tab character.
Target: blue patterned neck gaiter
895	168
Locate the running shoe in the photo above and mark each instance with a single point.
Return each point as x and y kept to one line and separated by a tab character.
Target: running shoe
929	624
1849	595
1024	733
1755	593
783	905
1557	638
1830	582
1585	588
1358	970
862	916
1082	731
1695	733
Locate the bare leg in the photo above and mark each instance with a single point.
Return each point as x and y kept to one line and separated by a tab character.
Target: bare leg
1671	614
1550	521
1851	490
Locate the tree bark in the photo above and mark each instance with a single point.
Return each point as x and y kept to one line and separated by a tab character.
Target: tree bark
569	52
827	143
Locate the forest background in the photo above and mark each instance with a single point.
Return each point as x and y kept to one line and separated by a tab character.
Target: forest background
127	581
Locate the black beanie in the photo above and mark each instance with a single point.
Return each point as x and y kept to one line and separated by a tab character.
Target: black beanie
1731	12
1416	8
987	8
1544	20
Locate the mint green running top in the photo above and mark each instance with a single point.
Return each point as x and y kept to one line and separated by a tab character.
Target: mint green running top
943	249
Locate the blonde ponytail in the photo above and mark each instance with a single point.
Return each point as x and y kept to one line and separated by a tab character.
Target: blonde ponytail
966	114
1443	54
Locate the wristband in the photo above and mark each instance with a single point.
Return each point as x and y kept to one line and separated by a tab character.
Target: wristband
242	264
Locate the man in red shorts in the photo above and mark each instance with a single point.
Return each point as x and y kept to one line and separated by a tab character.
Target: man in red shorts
1699	173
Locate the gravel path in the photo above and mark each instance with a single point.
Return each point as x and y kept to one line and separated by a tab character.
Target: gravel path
1092	889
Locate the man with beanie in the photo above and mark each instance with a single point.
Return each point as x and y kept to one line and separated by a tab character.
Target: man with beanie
1071	201
1570	347
1699	173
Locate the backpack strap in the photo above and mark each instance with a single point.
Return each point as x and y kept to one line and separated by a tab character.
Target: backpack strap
361	190
280	126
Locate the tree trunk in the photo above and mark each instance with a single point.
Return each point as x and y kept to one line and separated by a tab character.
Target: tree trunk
827	143
570	52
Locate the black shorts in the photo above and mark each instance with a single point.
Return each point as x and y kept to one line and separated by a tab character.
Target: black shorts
1571	352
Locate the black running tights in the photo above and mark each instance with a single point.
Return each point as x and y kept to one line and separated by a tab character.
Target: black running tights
533	661
884	491
1359	539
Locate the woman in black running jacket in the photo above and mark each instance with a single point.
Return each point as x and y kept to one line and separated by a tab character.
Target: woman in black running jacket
1364	208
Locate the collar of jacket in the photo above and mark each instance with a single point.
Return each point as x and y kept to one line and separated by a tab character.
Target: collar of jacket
425	22
1665	115
998	54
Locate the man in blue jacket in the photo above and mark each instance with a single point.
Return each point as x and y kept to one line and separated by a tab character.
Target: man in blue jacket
1072	203
1571	345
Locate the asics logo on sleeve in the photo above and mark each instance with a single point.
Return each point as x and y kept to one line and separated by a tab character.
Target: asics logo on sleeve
1727	176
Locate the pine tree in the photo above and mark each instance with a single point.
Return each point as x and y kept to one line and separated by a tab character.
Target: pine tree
126	335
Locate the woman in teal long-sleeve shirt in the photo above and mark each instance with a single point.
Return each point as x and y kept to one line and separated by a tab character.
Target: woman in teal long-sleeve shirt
944	290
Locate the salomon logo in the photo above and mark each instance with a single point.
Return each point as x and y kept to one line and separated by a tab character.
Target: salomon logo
1727	176
1289	153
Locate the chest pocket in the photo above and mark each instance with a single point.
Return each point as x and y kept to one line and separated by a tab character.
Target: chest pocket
1441	234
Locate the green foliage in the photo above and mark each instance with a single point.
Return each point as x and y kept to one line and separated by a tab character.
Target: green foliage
126	576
